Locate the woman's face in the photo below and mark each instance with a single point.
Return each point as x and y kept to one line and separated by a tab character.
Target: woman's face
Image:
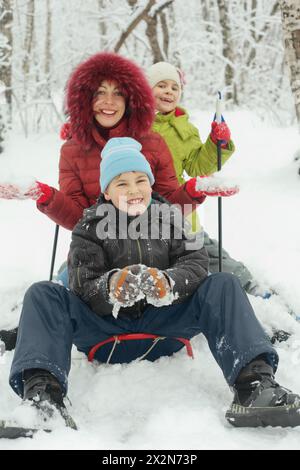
108	104
166	94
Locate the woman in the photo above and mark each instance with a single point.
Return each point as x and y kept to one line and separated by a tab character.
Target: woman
106	96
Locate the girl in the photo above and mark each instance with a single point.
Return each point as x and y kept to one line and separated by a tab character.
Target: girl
190	154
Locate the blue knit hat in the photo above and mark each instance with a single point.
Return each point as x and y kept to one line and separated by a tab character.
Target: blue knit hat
120	155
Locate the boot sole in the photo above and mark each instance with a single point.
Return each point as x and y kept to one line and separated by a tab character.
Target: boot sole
282	416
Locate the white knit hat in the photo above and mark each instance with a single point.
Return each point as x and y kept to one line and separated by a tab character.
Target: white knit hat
164	71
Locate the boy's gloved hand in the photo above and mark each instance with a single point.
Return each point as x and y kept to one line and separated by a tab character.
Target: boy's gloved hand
220	131
209	186
124	286
37	191
154	283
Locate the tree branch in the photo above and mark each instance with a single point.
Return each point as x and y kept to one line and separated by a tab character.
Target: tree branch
133	25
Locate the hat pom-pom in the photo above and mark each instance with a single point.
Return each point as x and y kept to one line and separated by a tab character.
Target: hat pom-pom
65	131
182	77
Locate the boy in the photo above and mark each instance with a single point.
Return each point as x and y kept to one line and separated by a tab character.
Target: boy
133	271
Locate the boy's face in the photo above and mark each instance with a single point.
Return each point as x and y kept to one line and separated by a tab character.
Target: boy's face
166	94
130	192
108	104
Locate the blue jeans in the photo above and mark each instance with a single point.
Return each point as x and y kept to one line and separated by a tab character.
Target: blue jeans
53	318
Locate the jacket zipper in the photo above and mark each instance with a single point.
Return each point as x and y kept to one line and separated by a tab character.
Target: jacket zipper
139	250
78	277
140	255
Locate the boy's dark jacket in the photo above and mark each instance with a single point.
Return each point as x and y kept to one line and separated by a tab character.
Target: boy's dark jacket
91	261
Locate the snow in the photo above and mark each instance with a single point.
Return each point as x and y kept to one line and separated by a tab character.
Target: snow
177	402
216	183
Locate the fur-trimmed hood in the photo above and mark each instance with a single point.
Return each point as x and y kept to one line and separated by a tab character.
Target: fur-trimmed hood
85	80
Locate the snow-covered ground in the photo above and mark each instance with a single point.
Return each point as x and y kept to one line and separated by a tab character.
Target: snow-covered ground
175	403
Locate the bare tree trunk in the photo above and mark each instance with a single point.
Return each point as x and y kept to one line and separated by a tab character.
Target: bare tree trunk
207	6
290	14
151	33
48	48
28	43
28	37
6	19
175	58
165	31
102	26
228	52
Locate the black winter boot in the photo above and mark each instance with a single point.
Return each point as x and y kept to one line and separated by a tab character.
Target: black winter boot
9	338
44	390
260	401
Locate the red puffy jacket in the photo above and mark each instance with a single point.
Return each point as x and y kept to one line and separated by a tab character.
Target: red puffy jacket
79	173
79	166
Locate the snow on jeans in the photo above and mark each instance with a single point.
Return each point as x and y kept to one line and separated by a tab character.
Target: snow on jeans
53	318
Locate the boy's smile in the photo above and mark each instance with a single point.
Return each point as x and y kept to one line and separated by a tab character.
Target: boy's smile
130	192
135	201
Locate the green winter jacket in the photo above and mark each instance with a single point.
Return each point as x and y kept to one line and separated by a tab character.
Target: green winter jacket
188	151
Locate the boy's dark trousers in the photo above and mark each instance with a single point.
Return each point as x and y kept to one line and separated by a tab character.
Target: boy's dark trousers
53	318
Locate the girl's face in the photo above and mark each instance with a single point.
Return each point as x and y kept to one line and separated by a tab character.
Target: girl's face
130	192
108	104
166	94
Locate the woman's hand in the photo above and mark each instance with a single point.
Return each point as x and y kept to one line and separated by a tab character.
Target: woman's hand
39	192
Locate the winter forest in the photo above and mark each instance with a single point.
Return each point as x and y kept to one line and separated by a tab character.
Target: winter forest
250	51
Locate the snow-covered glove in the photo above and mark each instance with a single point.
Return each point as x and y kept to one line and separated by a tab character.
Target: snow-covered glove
220	131
38	191
11	191
124	286
210	186
154	283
